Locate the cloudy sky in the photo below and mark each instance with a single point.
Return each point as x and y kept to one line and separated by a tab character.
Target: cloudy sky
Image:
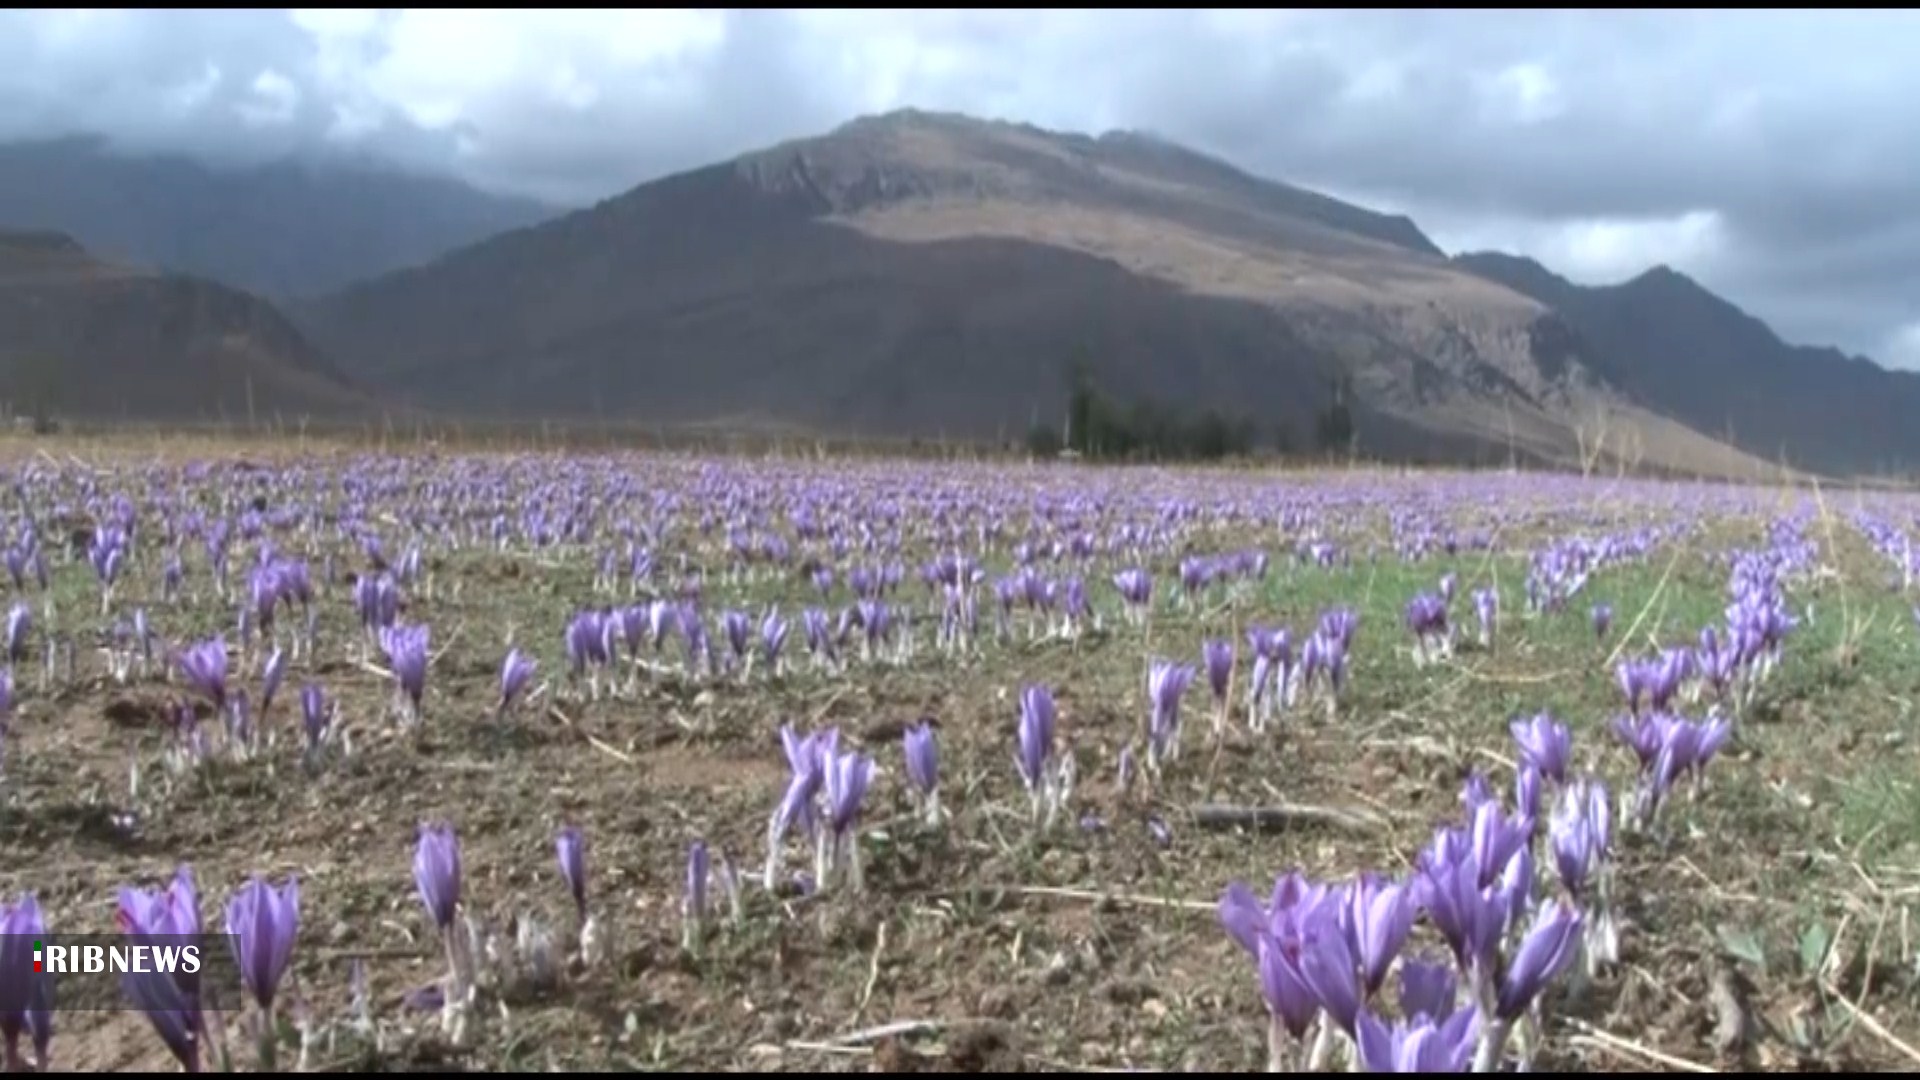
1775	156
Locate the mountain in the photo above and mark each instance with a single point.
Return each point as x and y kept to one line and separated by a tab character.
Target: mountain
1668	342
279	230
928	274
81	337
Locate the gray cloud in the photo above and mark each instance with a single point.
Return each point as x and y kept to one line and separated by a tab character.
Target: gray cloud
1769	154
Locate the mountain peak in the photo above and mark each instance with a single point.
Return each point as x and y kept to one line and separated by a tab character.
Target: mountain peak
919	156
1518	272
1662	275
1669	288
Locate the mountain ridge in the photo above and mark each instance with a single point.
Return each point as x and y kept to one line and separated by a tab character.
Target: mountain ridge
280	229
92	338
922	273
863	280
1666	340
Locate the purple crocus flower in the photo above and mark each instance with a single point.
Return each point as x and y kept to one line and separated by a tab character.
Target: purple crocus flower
1328	964
314	714
1420	1045
923	761
1635	680
170	912
19	626
1545	951
1494	839
1166	684
1602	619
1427	989
1526	791
1644	735
516	671
773	636
845	782
175	1019
240	720
1476	791
25	1001
1218	656
805	757
274	672
736	627
406	648
1670	748
1136	590
1378	916
1486	606
1427	616
1545	744
263	923
171	1001
699	873
1579	833
1339	624
436	871
205	668
1465	913
571	847
1035	737
586	642
1286	938
1291	1000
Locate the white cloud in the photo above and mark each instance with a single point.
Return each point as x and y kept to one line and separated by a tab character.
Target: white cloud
1903	347
1602	250
1525	94
273	100
1599	142
186	98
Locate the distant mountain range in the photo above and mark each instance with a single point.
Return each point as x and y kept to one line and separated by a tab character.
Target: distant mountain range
1667	342
281	230
83	337
931	274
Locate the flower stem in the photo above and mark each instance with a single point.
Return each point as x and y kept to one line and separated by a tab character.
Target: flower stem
269	1051
1322	1045
1277	1046
1493	1043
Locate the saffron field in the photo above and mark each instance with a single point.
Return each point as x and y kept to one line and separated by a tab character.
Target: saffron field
647	762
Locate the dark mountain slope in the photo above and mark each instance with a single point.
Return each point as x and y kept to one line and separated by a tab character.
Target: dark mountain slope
82	337
280	230
1680	349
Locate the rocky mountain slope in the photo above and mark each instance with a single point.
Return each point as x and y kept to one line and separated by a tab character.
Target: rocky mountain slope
1669	343
924	274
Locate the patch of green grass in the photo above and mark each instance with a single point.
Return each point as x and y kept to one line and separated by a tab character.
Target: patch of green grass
1879	809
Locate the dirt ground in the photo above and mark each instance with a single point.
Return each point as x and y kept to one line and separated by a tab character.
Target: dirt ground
974	947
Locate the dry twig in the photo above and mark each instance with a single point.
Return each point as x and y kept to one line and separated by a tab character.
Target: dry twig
1293	816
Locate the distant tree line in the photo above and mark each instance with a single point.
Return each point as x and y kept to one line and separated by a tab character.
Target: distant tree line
1100	427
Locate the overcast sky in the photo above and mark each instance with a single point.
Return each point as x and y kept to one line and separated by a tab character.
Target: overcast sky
1775	156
